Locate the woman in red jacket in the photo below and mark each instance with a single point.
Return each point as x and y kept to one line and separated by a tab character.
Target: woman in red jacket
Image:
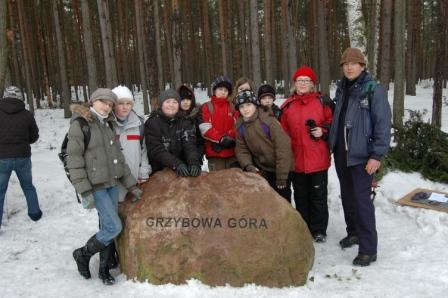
306	119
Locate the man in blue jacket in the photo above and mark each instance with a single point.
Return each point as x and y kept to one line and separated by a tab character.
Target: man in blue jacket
18	130
359	138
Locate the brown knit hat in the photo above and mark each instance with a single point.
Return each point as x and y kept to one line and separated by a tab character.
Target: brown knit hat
353	55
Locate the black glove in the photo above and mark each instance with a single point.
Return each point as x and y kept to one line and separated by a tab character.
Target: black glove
194	170
182	170
227	142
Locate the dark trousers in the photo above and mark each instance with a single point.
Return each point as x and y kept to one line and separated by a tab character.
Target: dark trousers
359	211
284	192
310	196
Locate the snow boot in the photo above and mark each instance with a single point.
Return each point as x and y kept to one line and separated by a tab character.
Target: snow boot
113	257
364	260
349	241
83	254
103	272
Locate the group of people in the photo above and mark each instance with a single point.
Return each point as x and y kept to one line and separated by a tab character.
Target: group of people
287	145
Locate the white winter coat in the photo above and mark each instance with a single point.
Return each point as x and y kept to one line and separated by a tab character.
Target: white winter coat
134	150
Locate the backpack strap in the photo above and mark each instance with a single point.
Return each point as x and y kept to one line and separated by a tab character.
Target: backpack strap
85	128
264	128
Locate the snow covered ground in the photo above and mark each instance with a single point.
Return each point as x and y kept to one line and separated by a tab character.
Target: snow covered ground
36	258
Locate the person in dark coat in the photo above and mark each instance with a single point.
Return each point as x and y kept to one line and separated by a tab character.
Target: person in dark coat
189	110
18	130
170	139
359	138
266	96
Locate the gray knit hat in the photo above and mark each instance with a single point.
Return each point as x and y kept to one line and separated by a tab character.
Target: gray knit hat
167	94
103	94
12	92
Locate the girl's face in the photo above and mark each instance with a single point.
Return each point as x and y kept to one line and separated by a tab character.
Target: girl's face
303	85
247	110
103	107
221	92
123	108
267	101
243	87
170	107
185	104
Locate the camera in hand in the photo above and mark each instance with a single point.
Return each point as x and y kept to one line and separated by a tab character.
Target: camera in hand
311	125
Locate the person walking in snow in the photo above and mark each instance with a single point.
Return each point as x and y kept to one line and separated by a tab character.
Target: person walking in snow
18	129
359	138
306	119
171	139
96	171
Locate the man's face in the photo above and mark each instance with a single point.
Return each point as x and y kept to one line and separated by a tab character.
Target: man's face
352	70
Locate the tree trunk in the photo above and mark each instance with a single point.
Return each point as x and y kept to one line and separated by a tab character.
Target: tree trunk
40	33
66	99
399	32
3	45
158	47
256	72
168	39
242	28
141	58
442	26
292	44
386	16
223	34
106	38
268	42
410	47
207	43
177	43
371	41
26	56
324	65
88	47
285	47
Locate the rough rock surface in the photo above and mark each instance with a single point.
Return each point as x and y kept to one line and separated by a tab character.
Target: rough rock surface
225	227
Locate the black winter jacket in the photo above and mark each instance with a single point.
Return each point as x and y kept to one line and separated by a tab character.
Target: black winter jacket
170	141
18	129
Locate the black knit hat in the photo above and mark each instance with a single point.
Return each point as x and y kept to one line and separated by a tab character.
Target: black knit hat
167	94
246	96
222	81
185	92
266	90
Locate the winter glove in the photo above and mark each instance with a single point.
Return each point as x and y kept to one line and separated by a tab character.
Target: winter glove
136	193
216	147
227	142
252	169
194	170
88	201
182	170
281	184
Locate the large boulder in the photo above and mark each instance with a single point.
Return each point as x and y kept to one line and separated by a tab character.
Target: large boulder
225	227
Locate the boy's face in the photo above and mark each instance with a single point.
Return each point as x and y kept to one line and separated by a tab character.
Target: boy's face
123	108
221	92
170	107
185	104
267	100
247	110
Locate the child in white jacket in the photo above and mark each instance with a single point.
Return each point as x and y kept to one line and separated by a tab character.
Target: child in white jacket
130	133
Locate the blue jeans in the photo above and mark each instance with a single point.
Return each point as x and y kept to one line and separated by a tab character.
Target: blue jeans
106	203
22	167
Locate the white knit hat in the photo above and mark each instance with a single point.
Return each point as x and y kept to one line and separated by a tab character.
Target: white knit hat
123	93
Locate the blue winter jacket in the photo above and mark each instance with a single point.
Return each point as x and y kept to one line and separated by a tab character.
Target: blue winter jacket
367	126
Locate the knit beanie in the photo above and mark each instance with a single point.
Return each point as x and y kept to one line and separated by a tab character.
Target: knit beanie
167	94
305	71
12	92
246	96
353	55
123	93
266	90
103	94
222	81
185	92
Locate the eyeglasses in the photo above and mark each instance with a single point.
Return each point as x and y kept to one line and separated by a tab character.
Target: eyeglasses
303	81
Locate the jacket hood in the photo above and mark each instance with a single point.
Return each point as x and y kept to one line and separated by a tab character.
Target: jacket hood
11	105
81	110
184	89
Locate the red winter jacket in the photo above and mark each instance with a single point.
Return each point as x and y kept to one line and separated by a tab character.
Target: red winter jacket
214	125
310	155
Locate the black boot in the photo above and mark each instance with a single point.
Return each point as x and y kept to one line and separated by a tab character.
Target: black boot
349	241
103	272
83	254
113	257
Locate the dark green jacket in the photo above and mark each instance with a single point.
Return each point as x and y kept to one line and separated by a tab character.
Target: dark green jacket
102	163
